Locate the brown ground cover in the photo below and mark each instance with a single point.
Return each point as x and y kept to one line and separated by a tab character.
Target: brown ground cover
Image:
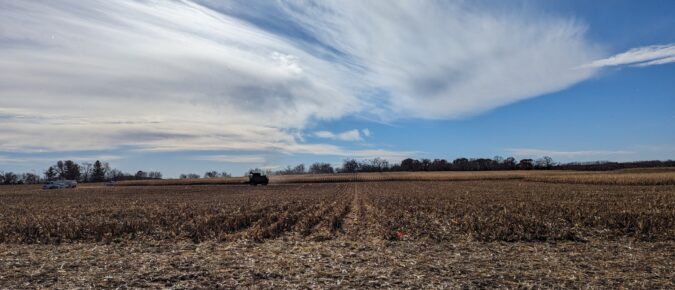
639	176
475	233
287	263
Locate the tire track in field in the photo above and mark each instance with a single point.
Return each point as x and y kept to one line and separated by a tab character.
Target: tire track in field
363	220
353	221
327	222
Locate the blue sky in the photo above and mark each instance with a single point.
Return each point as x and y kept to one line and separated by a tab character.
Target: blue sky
188	86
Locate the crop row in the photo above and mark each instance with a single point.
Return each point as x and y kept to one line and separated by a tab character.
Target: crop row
498	210
197	213
522	211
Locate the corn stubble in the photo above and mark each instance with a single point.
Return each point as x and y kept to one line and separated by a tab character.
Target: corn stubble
639	176
504	233
507	210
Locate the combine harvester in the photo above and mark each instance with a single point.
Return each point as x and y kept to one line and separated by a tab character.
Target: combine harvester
257	177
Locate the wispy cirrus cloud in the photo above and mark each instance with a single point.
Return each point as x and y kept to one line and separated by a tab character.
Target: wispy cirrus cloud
212	75
323	150
155	75
77	158
350	135
593	154
250	159
640	56
448	60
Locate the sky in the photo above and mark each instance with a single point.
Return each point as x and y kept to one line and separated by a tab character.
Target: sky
192	86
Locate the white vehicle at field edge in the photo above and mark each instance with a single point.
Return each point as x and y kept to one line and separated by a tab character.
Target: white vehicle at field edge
58	184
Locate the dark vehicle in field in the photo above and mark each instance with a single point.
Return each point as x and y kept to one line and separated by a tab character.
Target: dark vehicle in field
255	178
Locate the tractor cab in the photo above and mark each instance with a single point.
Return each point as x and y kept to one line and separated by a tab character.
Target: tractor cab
256	177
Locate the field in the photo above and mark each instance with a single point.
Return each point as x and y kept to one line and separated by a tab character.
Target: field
501	229
641	176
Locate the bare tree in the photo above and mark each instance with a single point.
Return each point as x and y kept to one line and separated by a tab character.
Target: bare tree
460	164
380	164
410	164
510	163
440	165
30	178
189	176
114	174
141	174
525	164
350	165
320	167
86	174
298	169
155	175
545	162
211	174
10	178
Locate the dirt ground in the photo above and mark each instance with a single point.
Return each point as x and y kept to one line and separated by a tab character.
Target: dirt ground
339	264
470	234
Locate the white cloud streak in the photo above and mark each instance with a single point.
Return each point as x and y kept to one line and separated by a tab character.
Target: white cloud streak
176	75
250	159
641	57
76	158
664	60
449	59
157	75
597	154
350	135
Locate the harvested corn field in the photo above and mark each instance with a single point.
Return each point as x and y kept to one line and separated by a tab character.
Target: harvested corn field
475	233
650	176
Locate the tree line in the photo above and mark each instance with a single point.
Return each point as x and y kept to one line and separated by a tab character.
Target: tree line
409	164
102	172
90	172
80	172
463	164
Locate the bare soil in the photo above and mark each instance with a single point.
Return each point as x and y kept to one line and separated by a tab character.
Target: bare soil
339	264
401	234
